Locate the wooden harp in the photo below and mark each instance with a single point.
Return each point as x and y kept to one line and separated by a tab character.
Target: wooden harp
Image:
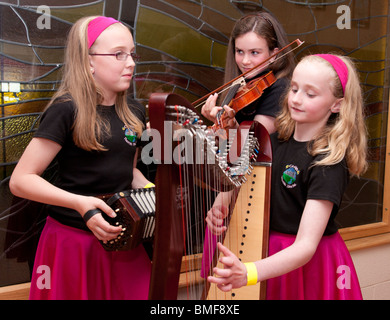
191	173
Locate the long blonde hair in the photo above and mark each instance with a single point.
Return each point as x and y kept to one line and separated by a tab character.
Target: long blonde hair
79	86
345	134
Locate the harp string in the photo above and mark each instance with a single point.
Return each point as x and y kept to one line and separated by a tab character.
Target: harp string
194	211
181	184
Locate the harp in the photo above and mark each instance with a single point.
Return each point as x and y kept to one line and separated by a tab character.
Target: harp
194	168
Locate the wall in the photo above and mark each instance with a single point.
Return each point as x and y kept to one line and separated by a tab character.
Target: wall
373	269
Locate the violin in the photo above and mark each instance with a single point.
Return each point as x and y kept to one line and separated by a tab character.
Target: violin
242	94
245	95
252	91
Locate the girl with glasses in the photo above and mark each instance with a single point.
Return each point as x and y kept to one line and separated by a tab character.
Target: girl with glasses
91	129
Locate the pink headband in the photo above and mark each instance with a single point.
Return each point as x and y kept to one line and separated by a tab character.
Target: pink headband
339	66
97	26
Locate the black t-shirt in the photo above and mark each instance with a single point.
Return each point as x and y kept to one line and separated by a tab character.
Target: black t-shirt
89	172
295	180
268	104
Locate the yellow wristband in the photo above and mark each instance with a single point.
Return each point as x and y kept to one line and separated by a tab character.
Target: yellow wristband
149	185
251	273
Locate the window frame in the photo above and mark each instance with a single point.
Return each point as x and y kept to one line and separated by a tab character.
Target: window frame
369	235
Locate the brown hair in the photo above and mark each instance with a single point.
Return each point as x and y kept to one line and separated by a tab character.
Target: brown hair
268	27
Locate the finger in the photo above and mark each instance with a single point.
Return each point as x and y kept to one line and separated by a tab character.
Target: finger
226	261
226	252
214	215
221	211
224	209
232	123
218	230
110	229
216	280
216	212
216	220
104	235
224	249
212	99
221	283
209	105
229	111
98	224
107	209
214	111
216	224
222	273
211	224
225	287
215	229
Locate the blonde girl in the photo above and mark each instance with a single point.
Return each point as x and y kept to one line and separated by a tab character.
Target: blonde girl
320	144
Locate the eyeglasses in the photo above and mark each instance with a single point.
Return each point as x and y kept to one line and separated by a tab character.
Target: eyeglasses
121	56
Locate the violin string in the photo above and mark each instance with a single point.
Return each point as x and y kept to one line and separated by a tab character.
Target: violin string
221	91
297	42
256	69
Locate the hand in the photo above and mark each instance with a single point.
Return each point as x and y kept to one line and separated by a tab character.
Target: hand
229	120
102	229
97	224
209	109
234	274
215	219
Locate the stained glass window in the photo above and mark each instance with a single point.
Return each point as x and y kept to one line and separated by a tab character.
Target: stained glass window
182	44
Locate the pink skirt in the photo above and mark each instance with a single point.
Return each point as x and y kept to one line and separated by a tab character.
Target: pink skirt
71	264
329	275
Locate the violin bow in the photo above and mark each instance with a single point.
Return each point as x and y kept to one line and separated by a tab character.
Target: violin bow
241	78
